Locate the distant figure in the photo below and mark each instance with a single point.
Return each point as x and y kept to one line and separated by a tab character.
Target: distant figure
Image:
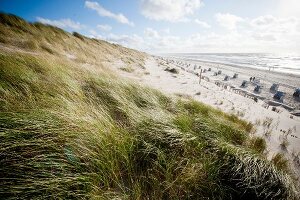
250	78
253	78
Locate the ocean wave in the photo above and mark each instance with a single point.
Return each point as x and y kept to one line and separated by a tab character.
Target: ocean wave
279	63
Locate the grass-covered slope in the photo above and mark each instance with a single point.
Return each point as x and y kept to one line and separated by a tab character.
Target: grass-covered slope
37	38
72	129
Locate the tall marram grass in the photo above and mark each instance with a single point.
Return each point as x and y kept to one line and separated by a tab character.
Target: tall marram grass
74	131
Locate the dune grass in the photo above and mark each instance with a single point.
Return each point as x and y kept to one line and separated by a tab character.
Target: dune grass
68	131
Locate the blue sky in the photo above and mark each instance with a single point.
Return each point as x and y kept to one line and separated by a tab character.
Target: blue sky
174	25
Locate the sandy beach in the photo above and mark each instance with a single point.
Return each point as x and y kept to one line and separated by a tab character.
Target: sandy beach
155	100
287	82
275	124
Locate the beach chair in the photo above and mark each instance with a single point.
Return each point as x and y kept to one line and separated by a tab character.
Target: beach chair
274	87
244	83
257	88
235	75
256	81
297	93
209	69
204	70
215	74
279	96
226	78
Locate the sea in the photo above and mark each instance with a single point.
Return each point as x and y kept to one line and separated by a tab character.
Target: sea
274	62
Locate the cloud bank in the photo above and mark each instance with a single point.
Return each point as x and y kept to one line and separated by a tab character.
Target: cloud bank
261	34
227	20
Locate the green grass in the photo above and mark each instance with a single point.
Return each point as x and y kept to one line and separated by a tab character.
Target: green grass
258	144
68	131
280	161
40	38
78	35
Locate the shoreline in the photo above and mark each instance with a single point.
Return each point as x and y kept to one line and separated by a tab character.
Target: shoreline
235	66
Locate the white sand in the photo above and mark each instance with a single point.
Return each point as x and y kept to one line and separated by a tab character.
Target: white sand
228	101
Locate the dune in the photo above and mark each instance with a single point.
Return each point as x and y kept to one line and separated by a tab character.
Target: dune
82	118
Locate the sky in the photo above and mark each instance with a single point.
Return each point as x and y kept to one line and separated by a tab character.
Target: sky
174	26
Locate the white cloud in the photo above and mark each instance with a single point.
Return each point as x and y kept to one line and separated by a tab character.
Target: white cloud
288	8
156	41
104	27
281	33
264	37
62	23
261	34
169	10
202	23
153	41
169	43
275	24
227	20
94	34
166	31
285	30
151	33
106	13
131	41
263	20
237	41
